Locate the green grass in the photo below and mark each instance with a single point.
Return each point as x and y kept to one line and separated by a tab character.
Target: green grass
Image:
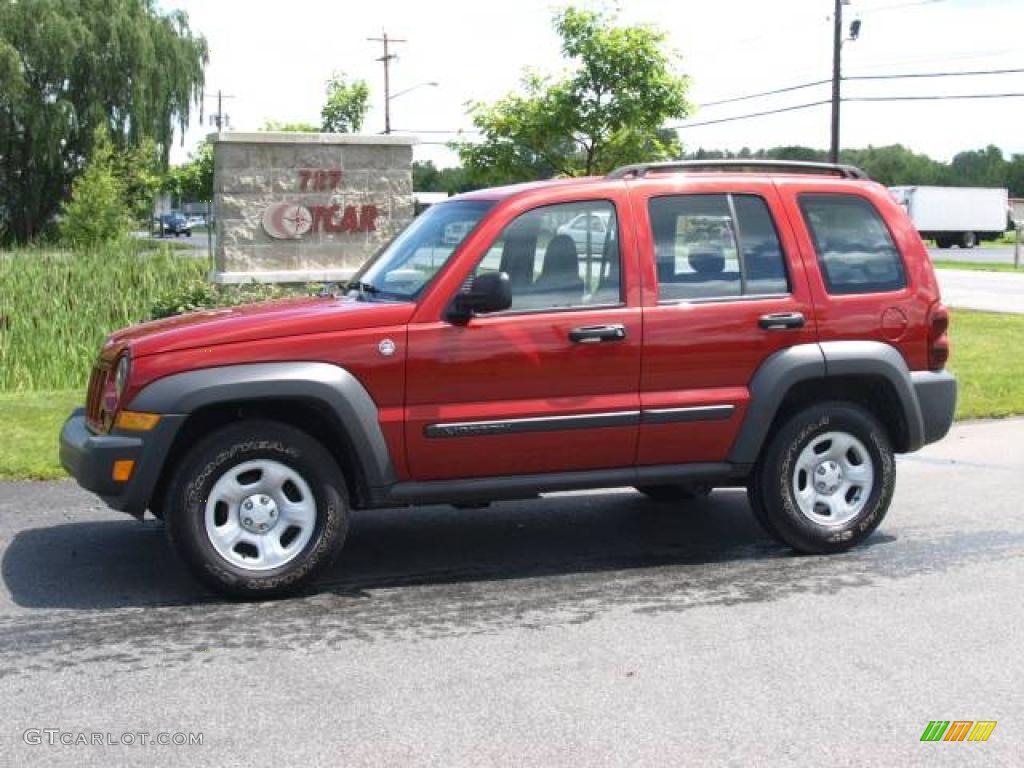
988	358
30	423
979	266
56	307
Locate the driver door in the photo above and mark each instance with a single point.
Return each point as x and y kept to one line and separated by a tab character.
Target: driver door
549	385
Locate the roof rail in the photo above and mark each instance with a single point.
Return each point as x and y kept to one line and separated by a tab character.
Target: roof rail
738	166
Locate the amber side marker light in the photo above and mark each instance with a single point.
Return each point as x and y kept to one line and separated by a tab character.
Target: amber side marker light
122	471
136	421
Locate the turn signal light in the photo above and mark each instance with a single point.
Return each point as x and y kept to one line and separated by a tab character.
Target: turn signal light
123	469
136	421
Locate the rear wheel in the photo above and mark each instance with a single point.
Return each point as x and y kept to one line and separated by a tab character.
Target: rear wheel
826	479
675	492
257	509
943	242
968	240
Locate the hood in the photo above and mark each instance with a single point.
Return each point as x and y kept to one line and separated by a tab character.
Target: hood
255	322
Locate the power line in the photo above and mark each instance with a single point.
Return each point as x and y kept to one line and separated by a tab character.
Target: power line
788	88
763	93
942	97
752	114
970	73
897	6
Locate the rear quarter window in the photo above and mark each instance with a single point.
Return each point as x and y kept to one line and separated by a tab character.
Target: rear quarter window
855	250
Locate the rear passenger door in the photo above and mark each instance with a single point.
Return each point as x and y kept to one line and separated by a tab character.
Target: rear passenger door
724	288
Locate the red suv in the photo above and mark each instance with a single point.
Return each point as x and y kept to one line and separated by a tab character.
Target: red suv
674	327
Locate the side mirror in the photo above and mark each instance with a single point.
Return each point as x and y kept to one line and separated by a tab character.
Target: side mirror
489	292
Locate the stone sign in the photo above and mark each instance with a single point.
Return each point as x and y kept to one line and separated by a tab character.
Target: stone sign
304	207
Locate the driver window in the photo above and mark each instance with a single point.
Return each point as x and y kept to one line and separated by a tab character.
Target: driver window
559	256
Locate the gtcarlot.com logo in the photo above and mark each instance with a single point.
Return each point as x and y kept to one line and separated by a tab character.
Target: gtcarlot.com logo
54	737
958	730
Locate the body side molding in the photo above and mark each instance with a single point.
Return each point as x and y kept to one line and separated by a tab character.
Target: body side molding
526	486
330	385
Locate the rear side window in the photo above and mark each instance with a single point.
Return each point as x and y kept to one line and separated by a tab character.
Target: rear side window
715	246
855	250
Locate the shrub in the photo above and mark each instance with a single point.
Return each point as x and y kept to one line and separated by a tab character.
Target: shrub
200	294
57	306
96	214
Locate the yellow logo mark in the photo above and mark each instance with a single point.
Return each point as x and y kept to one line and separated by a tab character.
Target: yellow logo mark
982	730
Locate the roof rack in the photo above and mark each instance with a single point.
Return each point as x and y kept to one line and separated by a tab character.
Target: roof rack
738	166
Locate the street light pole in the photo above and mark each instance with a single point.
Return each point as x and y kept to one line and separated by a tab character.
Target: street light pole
837	46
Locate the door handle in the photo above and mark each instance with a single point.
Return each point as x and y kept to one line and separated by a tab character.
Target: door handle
594	334
781	321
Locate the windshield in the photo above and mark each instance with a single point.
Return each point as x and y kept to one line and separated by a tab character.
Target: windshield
411	260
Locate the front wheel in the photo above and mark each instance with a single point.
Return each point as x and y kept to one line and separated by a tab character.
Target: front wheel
825	481
968	240
257	509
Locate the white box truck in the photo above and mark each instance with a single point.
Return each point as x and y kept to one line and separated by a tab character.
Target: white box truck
956	215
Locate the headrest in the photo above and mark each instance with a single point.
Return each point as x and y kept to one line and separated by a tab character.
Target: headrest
707	261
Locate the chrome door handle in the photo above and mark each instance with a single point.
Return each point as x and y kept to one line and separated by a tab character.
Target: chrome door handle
595	334
781	321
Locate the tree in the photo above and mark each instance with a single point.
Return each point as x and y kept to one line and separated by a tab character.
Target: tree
141	175
297	127
192	181
96	212
1015	176
607	110
427	177
346	106
980	168
68	67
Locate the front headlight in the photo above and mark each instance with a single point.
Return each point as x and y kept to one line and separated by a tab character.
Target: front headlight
121	375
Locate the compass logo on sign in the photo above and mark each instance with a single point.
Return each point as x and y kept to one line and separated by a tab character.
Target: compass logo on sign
287	221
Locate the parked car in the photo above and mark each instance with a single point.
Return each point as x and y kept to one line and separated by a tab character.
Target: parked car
174	224
587	230
762	325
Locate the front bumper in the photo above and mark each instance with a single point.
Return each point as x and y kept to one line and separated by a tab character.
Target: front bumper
936	397
89	458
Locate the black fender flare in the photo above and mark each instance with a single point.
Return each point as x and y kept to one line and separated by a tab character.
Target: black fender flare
329	385
788	367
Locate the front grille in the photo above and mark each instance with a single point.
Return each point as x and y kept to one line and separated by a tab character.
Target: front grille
94	398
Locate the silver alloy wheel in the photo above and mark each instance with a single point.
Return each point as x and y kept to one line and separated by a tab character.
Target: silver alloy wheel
260	514
832	478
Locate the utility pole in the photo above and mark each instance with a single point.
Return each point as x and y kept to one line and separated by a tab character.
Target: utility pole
386	58
837	47
219	119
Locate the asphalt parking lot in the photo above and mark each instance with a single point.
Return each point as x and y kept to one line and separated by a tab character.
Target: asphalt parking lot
582	629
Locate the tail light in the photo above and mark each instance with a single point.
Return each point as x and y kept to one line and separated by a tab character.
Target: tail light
938	337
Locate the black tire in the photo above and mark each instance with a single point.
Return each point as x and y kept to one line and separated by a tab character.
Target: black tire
772	488
675	492
968	240
943	242
209	460
757	507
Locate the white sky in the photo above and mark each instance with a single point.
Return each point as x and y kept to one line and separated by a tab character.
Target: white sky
274	58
